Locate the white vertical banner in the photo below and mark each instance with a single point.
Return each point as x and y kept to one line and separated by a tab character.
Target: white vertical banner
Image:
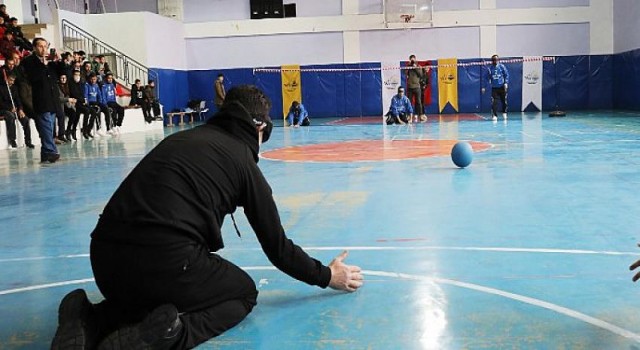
390	83
532	82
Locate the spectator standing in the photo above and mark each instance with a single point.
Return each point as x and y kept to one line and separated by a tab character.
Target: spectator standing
220	92
41	76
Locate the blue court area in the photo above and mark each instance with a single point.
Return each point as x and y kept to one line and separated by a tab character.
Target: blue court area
527	248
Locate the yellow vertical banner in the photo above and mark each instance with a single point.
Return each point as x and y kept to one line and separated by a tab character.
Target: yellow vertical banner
448	83
291	89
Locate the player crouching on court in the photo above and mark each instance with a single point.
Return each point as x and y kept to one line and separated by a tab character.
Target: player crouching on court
298	115
400	111
153	249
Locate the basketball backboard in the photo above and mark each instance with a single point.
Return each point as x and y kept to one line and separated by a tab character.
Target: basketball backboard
407	11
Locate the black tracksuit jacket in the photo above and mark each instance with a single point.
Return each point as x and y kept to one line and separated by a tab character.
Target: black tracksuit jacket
190	181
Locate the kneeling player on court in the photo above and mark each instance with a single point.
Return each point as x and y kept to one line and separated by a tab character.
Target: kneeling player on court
400	111
152	251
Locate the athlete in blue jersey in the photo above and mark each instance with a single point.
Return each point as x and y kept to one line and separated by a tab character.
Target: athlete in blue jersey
400	111
499	79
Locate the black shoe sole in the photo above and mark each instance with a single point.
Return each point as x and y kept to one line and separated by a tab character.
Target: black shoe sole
147	334
73	323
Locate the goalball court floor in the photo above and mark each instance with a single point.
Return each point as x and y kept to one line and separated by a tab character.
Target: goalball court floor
527	248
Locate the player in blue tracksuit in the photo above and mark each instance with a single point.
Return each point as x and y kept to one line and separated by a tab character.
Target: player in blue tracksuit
298	115
400	111
109	99
499	78
93	97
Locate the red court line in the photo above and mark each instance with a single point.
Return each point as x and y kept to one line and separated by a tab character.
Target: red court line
368	150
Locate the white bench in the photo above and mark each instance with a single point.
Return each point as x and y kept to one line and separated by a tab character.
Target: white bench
4	143
133	122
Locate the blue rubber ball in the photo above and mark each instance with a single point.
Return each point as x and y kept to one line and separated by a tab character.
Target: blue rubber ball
462	154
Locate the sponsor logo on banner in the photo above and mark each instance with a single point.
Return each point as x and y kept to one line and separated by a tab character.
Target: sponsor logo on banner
531	83
532	78
291	86
391	83
447	83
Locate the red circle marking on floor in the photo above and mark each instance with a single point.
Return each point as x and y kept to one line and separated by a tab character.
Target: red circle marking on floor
368	150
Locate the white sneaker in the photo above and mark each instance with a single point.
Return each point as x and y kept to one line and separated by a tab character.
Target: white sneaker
504	115
495	118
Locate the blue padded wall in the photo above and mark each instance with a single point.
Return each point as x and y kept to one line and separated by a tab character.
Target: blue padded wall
569	83
170	88
626	75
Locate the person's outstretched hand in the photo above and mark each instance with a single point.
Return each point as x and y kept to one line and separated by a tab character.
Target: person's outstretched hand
633	267
344	277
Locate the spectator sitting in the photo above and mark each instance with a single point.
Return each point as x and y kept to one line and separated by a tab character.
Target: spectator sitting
97	66
11	109
105	65
23	86
64	65
76	90
3	13
400	110
68	106
109	99
93	97
86	72
137	94
7	46
298	115
151	102
3	28
18	36
8	67
78	56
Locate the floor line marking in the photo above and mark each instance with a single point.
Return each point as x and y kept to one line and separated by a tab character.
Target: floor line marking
476	287
518	297
45	286
385	248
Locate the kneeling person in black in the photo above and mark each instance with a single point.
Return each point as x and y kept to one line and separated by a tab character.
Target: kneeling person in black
153	249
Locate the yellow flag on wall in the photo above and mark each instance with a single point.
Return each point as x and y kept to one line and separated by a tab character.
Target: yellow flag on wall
448	83
291	89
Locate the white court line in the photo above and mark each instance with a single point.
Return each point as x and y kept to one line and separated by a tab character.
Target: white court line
391	248
479	288
45	286
527	300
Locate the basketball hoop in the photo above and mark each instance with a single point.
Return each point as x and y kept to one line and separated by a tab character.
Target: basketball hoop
407	18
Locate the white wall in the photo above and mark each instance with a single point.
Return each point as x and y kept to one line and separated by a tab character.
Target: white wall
626	25
526	40
164	41
226	10
461	28
264	50
504	4
150	39
321	35
424	43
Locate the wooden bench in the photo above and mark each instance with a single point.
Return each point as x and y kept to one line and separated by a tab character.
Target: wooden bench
181	114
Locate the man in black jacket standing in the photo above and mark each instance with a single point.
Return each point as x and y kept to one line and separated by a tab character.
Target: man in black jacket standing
152	251
46	97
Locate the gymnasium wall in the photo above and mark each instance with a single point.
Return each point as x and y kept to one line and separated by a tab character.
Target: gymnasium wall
217	37
627	59
626	25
